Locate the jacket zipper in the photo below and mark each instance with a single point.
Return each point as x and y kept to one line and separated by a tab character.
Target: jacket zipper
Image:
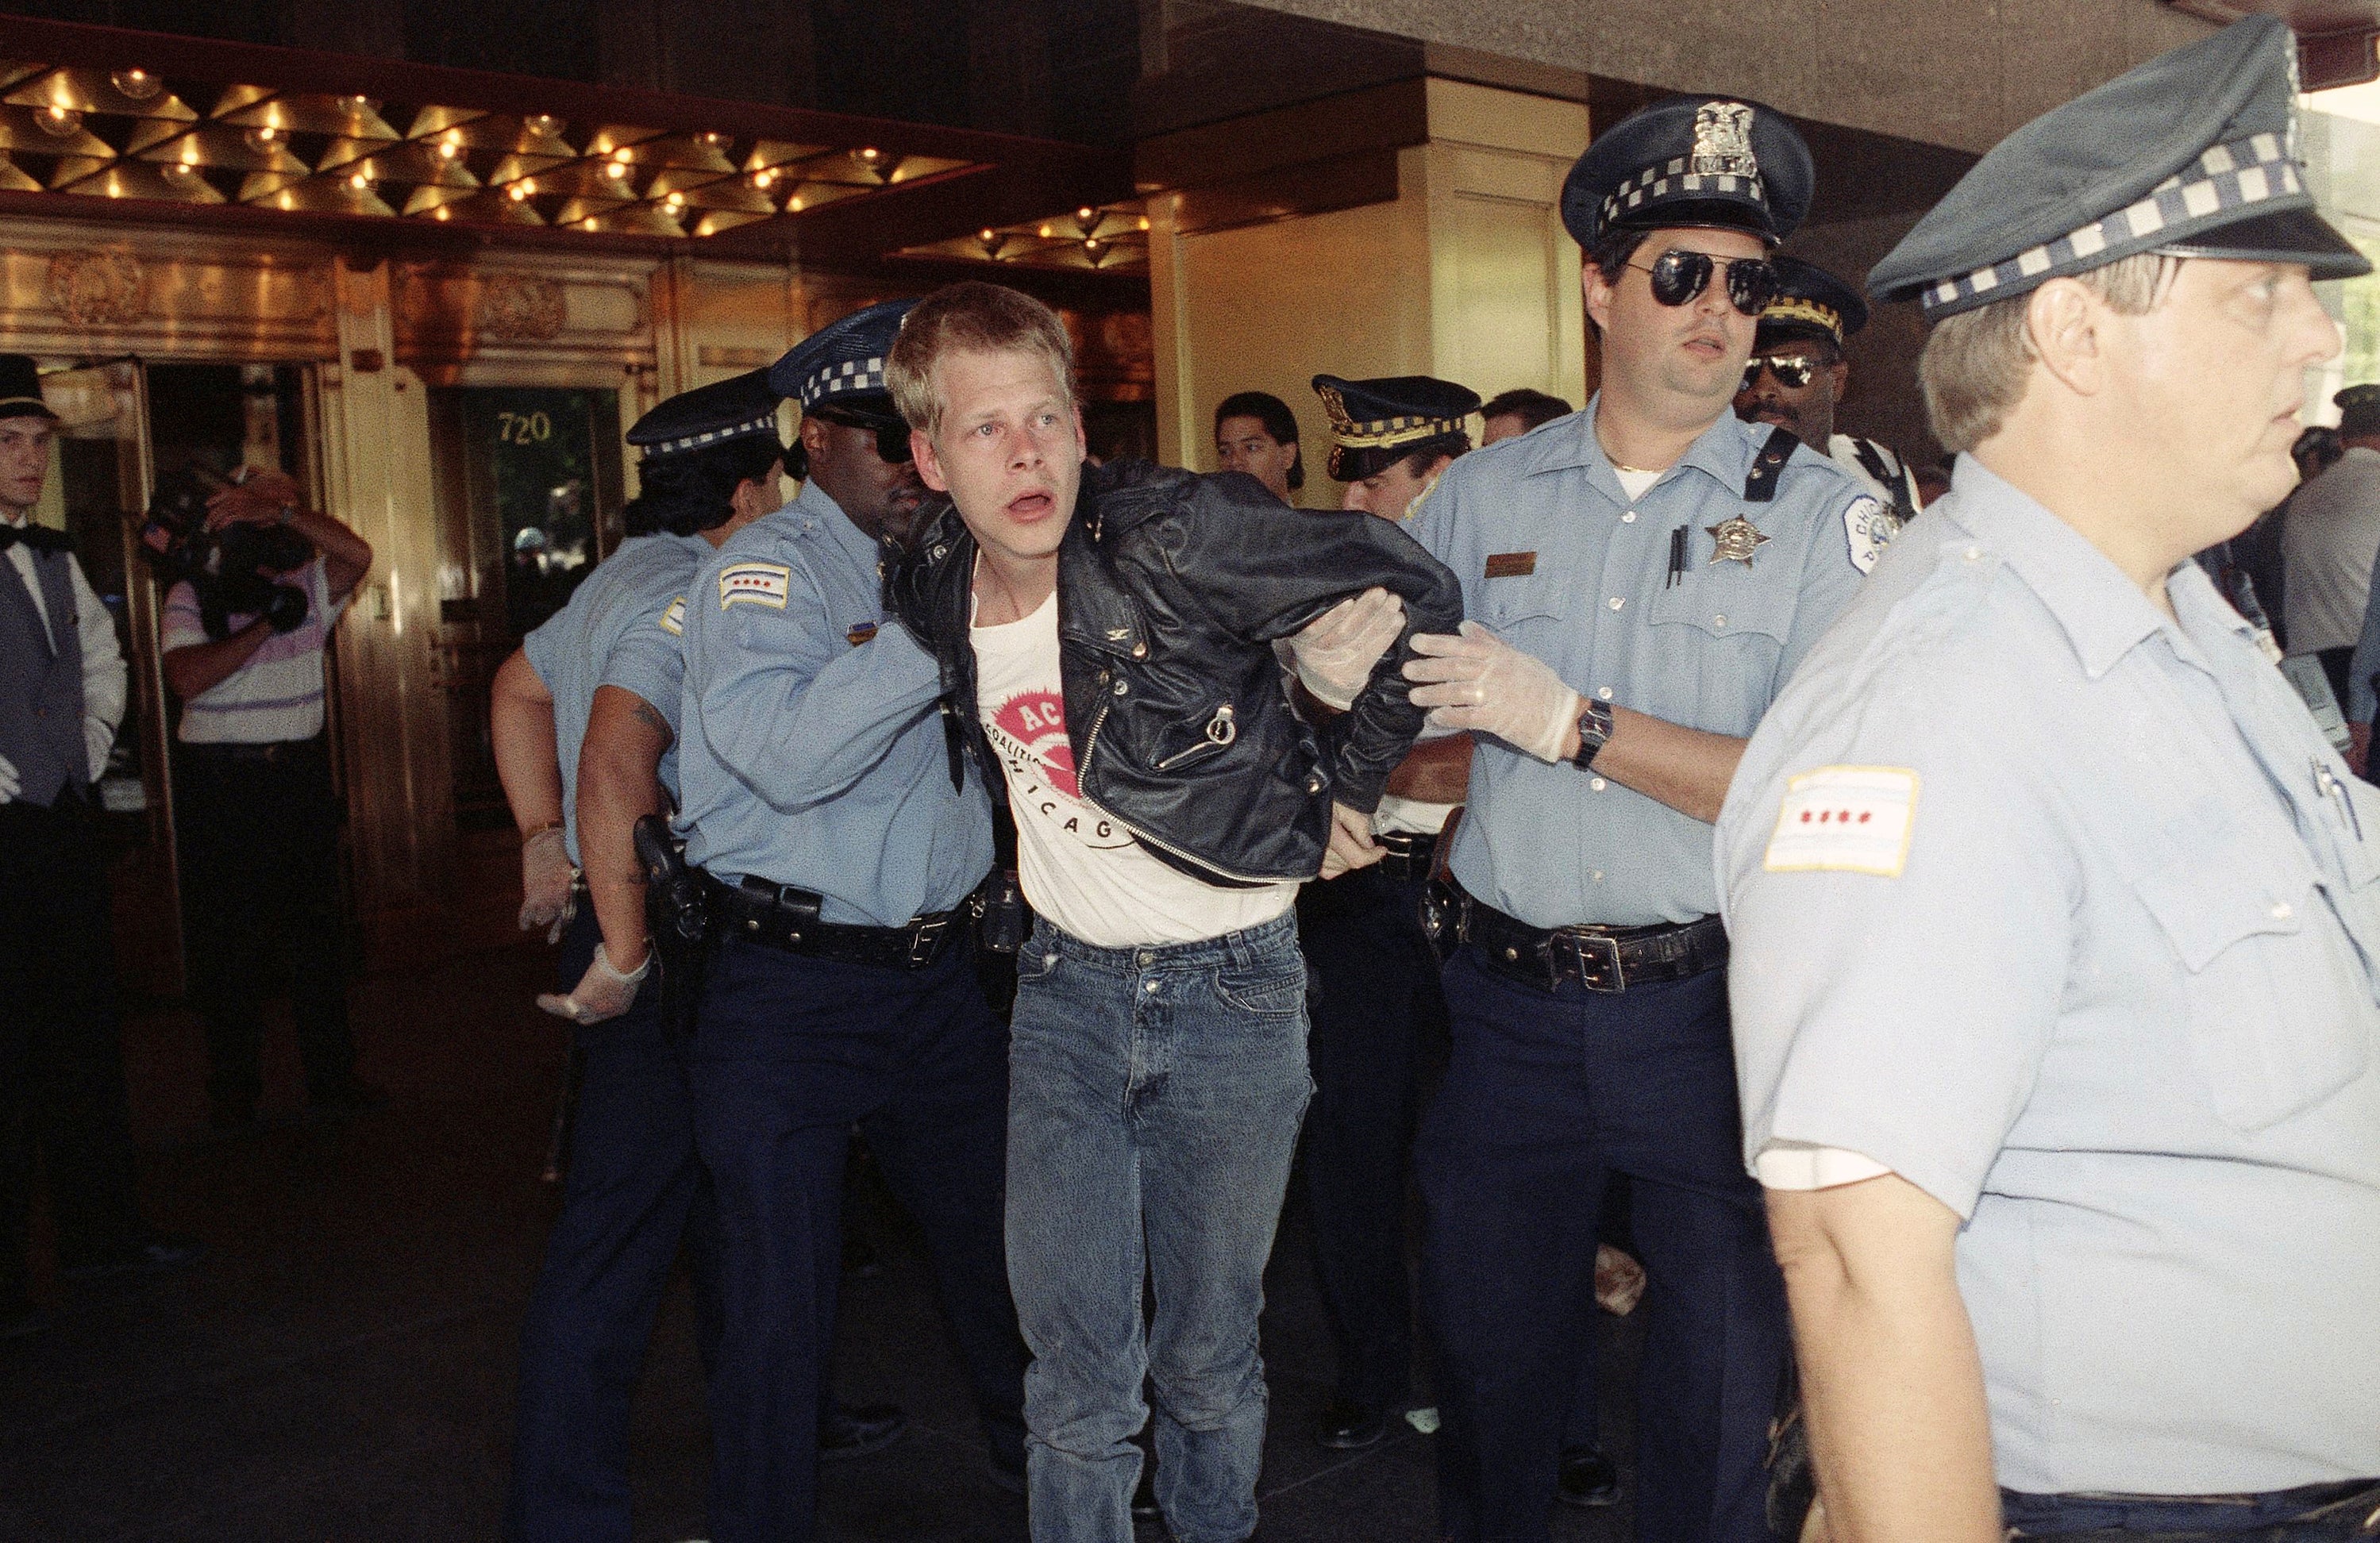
1081	779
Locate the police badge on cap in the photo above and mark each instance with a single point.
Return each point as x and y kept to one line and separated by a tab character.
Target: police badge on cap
1692	160
1374	424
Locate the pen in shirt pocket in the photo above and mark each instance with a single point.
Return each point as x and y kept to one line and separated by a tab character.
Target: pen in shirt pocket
2328	784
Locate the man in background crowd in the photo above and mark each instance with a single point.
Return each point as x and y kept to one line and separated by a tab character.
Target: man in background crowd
62	1101
1255	432
256	812
2330	540
1798	375
2351	484
1510	414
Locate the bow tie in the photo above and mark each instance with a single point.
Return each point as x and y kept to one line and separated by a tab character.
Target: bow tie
41	537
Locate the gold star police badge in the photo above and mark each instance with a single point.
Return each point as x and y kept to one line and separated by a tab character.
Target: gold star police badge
1735	540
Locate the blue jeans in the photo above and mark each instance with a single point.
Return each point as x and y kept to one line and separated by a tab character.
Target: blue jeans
1154	1098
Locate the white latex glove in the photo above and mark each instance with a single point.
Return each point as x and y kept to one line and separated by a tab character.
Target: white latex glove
98	738
1477	681
9	786
602	992
1335	652
546	876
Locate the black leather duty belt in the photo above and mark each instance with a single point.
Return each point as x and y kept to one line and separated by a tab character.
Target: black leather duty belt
778	916
1410	854
1600	958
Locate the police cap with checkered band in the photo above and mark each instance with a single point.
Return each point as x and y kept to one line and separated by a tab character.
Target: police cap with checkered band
744	407
1692	160
841	365
2192	154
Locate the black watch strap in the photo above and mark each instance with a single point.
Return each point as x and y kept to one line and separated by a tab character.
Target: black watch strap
1593	730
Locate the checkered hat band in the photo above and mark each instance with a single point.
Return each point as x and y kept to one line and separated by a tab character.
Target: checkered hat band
1670	179
1381	432
837	379
2237	176
766	425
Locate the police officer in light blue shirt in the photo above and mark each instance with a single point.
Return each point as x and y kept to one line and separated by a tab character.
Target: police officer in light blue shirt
584	716
1641	578
841	988
2057	921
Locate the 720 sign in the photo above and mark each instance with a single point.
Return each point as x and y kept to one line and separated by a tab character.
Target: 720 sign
523	428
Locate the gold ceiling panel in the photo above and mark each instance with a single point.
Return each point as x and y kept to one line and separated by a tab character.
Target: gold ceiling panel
133	94
137	179
50	131
1112	237
121	132
353	117
216	146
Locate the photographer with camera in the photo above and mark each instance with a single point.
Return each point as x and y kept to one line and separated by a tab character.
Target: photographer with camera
264	581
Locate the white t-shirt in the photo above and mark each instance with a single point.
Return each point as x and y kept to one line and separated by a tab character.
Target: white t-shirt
1080	868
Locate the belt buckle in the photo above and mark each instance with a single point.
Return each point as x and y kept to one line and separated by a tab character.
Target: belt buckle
1590	949
925	939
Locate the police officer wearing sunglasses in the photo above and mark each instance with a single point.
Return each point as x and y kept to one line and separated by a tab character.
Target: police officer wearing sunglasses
840	988
1641	579
1798	373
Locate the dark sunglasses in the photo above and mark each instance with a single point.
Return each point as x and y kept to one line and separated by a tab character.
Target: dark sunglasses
1678	276
892	436
1793	373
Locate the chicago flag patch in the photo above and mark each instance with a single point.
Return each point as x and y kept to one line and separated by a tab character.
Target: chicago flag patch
768	583
1845	819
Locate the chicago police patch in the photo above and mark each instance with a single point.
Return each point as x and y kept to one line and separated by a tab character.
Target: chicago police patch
1868	526
768	583
674	617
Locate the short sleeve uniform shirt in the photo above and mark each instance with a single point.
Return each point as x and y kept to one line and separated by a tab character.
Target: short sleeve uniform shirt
1562	562
2061	909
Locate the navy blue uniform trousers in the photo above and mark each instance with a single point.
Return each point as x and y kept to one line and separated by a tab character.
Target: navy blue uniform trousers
1548	1093
790	1053
1372	994
635	1191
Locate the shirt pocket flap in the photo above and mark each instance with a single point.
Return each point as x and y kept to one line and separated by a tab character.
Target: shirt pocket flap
2204	908
1727	604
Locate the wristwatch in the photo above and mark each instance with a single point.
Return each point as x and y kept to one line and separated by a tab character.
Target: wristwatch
1594	731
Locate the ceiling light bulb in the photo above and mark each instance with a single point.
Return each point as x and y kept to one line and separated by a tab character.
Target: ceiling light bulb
448	151
989	235
138	84
263	140
714	138
587	224
621	155
1144	222
63	122
519	192
616	172
363	104
870	154
1085	213
545	123
359	182
762	179
675	201
442	213
1045	232
793	204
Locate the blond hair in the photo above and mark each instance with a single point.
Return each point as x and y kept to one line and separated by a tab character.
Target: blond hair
1976	364
970	318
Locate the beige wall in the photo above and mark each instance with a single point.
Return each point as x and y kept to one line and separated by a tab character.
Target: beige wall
1949	72
1267	307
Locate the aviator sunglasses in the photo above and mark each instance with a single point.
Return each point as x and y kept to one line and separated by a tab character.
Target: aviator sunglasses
892	437
1678	276
1793	371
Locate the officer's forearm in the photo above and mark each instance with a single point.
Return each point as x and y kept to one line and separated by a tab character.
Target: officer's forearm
1685	767
1891	1385
619	783
520	730
195	669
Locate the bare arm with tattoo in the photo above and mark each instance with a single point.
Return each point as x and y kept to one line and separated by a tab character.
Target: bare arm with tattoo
619	782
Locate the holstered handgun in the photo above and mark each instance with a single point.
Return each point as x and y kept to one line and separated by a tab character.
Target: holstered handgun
677	920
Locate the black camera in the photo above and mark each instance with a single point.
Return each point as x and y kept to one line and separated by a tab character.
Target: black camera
235	571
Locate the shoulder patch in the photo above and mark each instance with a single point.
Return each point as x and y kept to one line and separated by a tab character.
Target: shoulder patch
1845	819
673	619
1868	528
769	584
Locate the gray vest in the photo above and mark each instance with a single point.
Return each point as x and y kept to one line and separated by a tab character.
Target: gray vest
40	686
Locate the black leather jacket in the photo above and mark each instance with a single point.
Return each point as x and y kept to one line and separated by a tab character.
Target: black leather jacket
1172	587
